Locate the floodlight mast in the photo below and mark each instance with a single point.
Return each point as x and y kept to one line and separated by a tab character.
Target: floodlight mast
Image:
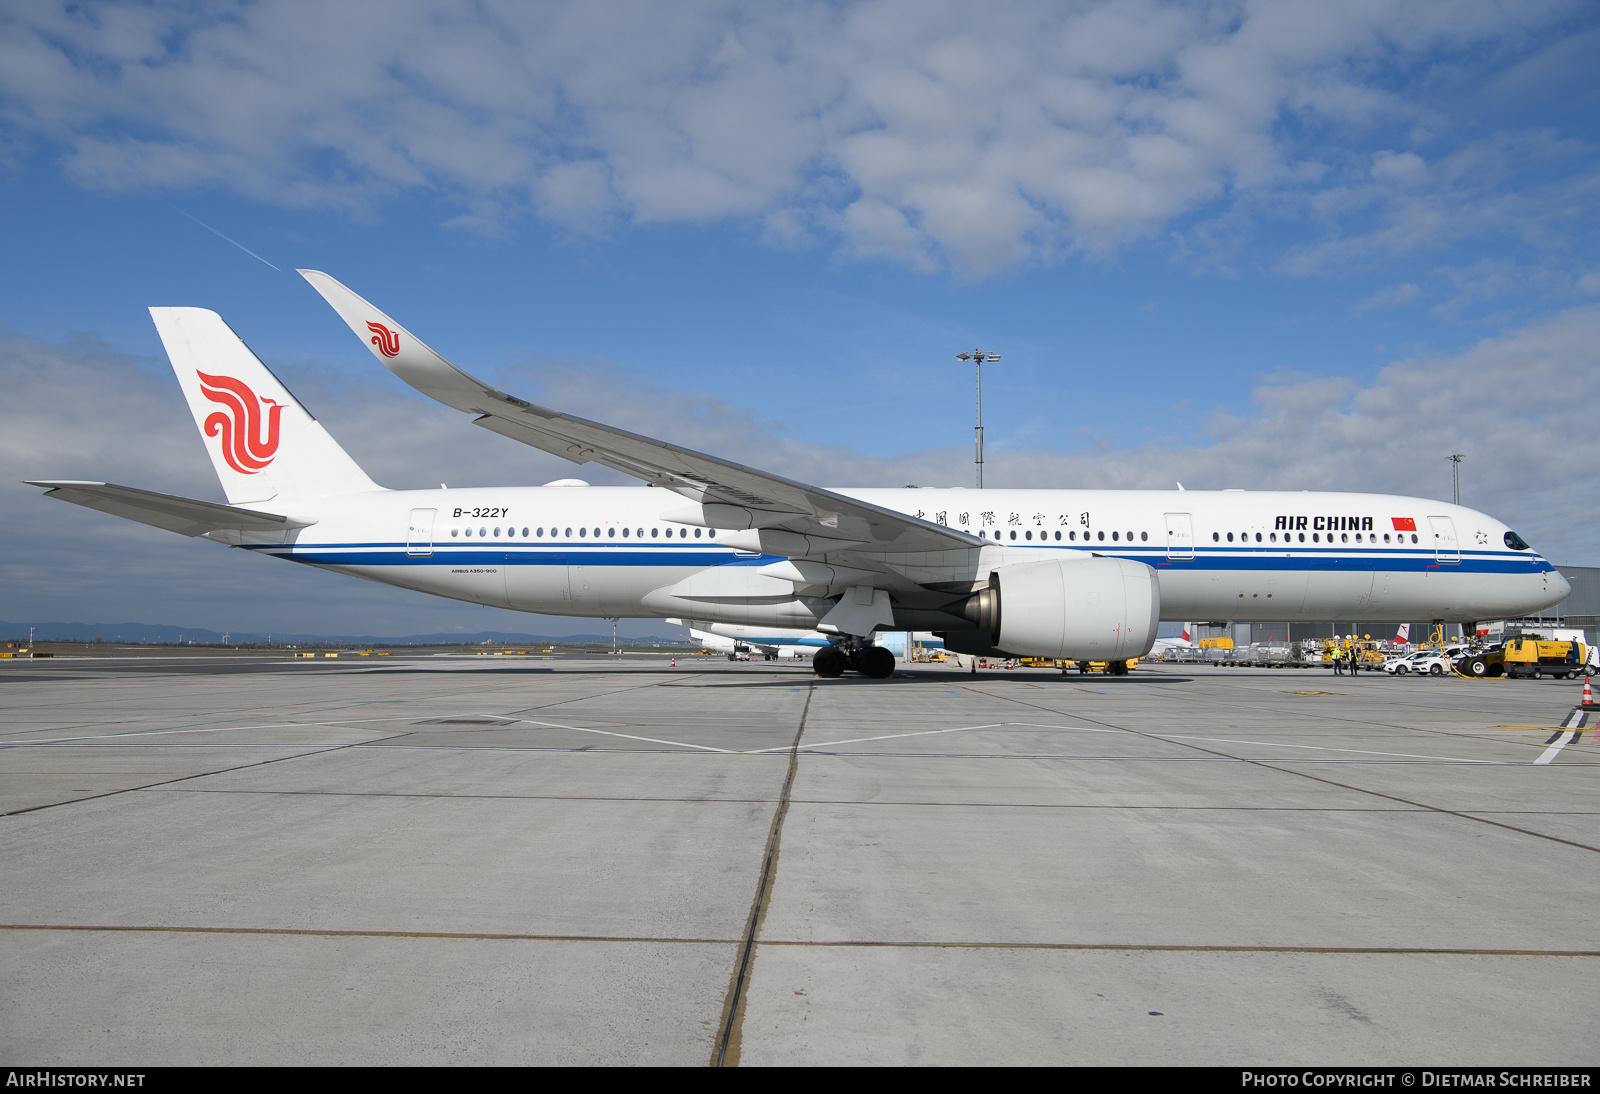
1455	475
978	357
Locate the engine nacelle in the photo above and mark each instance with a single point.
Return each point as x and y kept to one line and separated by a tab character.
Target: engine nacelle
1079	609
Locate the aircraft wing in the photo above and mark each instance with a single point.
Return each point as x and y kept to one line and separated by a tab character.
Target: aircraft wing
185	516
815	519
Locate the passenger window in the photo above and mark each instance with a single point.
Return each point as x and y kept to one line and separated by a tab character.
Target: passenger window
1027	535
454	532
1413	537
697	533
1258	537
1114	536
1013	535
1344	537
1102	536
583	533
1215	537
1072	534
654	532
1058	537
624	533
1316	537
569	533
497	532
1302	537
1230	537
1144	536
541	533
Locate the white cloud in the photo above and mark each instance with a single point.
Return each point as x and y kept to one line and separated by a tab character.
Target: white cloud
927	133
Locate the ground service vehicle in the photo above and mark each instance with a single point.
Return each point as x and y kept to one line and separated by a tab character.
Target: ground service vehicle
1527	656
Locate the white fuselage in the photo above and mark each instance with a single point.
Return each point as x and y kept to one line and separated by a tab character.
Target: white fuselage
1236	555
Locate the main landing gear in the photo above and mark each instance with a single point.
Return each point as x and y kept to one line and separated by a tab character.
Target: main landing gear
874	662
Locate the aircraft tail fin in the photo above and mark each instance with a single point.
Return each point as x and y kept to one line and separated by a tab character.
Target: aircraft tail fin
261	441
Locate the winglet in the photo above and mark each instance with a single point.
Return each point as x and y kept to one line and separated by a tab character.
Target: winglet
404	354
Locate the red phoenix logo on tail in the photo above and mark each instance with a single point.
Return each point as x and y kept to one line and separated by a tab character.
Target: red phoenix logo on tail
387	341
246	451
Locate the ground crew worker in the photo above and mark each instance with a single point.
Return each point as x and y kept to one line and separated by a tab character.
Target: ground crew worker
1338	661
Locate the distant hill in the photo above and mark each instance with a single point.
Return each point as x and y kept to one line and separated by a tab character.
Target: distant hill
135	633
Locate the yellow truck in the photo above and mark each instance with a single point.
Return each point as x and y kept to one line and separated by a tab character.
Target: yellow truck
1115	668
1527	656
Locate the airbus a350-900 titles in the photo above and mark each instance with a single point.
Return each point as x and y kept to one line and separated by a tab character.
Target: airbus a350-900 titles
1071	574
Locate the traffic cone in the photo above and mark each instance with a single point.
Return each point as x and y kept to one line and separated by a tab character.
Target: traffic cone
1588	696
674	662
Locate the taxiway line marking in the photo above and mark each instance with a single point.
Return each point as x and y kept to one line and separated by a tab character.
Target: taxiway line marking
892	736
1565	736
633	737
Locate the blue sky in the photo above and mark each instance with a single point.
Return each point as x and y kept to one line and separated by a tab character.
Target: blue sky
1259	245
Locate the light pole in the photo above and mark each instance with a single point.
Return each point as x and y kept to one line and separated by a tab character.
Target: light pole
1455	474
978	357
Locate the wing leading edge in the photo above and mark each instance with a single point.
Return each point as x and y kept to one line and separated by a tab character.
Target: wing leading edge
789	517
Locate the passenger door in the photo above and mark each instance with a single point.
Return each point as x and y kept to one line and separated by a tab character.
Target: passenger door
1180	536
419	533
1445	547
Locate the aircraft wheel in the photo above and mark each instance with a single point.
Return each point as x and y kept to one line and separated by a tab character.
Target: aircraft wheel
876	663
1435	670
829	662
1477	667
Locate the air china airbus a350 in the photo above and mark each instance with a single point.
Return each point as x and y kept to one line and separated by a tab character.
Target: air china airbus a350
1074	574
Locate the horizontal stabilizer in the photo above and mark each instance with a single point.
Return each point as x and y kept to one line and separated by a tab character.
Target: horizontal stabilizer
185	516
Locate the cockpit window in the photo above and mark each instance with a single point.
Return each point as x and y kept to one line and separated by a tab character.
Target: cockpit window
1516	542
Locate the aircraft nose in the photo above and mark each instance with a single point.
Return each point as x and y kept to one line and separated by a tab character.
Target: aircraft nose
1559	584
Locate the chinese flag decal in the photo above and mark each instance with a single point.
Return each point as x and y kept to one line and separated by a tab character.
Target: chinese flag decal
1404	524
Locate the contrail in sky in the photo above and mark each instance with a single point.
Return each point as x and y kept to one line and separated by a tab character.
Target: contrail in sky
213	231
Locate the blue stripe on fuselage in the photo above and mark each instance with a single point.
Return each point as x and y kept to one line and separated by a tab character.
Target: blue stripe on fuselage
1234	558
